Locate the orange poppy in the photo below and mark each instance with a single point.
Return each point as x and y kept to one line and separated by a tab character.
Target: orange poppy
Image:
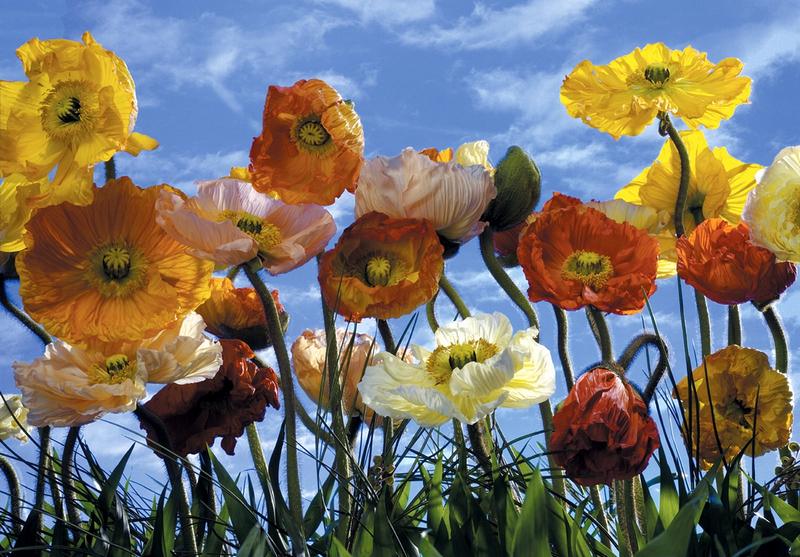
237	313
574	256
107	272
311	147
719	260
381	267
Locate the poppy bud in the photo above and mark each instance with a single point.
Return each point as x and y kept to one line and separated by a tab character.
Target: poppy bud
602	431
518	184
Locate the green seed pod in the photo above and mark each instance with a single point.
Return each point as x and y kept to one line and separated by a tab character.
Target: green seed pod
794	446
518	184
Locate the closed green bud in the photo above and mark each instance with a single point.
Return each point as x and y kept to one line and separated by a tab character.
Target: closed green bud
794	446
518	184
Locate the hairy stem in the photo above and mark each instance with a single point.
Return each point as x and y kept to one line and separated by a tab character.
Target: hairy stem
67	475
778	338
704	321
734	325
597	322
452	294
388	425
13	494
666	128
563	346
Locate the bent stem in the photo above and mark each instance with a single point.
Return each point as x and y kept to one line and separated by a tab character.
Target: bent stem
257	454
704	321
734	325
452	294
501	277
477	434
12	480
41	476
666	128
597	501
287	385
597	322
388	424
633	350
563	346
778	337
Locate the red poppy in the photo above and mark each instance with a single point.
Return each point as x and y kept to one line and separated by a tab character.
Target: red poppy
602	431
197	413
719	260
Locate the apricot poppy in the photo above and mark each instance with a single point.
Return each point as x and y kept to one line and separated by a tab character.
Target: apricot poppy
105	272
237	313
719	260
602	431
574	256
311	147
381	267
196	414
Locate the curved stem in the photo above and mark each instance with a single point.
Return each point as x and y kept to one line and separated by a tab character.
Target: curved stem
683	186
734	325
476	433
501	277
778	338
430	313
163	448
563	346
597	322
21	316
55	489
704	321
41	476
13	494
67	459
233	272
205	490
452	294
634	348
287	385
257	454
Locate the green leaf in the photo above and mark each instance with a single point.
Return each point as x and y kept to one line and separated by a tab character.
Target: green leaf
668	501
384	537
162	540
426	547
505	511
216	537
243	519
316	509
337	549
530	535
433	486
255	545
675	539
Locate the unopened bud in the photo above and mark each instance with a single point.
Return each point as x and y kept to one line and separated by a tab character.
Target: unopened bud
518	184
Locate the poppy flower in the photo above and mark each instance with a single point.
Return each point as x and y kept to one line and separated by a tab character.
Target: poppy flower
452	197
719	260
623	97
745	393
602	431
506	242
381	267
237	313
772	210
13	418
229	223
70	385
574	256
311	147
77	108
16	191
222	406
479	364
106	272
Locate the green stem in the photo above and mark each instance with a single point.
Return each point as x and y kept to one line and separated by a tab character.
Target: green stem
41	477
476	433
257	454
597	322
205	492
287	385
555	471
623	524
734	325
13	494
778	337
630	514
21	316
55	489
602	517
67	459
233	272
704	321
563	346
111	169
388	424
430	313
342	446
501	277
667	128
458	434
163	448
452	294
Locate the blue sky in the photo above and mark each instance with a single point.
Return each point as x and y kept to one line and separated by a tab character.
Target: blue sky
422	73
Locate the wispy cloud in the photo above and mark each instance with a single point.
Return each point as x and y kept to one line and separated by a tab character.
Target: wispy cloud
387	12
488	28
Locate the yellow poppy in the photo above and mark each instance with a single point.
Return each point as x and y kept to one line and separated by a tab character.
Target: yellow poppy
107	272
77	109
740	381
15	210
623	97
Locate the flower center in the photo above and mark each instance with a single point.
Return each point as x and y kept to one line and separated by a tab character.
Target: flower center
266	234
250	224
589	267
742	411
67	111
378	271
116	263
117	369
446	359
310	135
657	74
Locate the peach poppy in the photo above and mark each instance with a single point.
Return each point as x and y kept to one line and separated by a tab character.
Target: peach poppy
222	406
230	223
106	272
451	196
237	313
381	267
719	260
574	256
311	147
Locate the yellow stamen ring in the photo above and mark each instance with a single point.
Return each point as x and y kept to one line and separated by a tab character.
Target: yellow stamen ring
589	267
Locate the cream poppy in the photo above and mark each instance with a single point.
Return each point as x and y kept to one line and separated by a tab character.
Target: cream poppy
230	223
478	365
13	418
411	185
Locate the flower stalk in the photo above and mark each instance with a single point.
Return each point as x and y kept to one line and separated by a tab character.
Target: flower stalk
773	321
388	425
665	127
704	322
287	385
597	322
12	480
734	325
451	293
67	460
563	345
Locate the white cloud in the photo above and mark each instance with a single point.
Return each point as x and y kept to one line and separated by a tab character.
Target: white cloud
387	12
767	47
488	28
